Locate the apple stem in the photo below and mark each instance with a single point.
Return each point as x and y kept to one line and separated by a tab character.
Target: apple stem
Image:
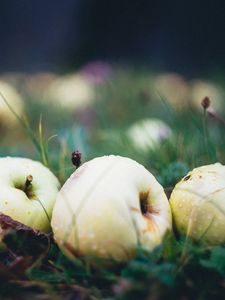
76	158
28	183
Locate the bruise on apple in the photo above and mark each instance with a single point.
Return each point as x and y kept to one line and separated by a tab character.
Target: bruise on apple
135	209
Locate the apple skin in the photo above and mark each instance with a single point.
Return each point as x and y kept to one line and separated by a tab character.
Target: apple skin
21	207
198	204
98	211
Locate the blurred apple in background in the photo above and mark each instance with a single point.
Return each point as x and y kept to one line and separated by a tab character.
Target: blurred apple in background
148	134
37	84
15	79
198	204
7	118
173	88
70	92
28	192
109	207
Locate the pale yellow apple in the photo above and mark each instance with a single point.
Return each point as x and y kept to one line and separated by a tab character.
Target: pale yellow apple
109	207
172	88
32	203
198	204
7	118
148	134
71	92
37	84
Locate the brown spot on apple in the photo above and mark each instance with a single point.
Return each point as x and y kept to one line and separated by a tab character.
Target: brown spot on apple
187	177
151	226
135	209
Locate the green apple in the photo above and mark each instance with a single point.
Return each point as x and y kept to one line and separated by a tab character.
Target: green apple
27	192
148	134
109	207
198	204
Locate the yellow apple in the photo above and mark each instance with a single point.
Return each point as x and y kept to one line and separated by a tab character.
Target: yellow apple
109	207
173	88
71	92
28	192
198	204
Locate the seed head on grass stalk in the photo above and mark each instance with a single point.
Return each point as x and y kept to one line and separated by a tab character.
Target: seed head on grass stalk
76	158
206	104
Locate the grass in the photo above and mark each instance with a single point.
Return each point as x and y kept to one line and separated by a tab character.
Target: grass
177	269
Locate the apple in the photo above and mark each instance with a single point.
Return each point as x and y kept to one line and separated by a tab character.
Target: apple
148	134
7	118
27	192
198	204
37	84
172	88
108	207
71	92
